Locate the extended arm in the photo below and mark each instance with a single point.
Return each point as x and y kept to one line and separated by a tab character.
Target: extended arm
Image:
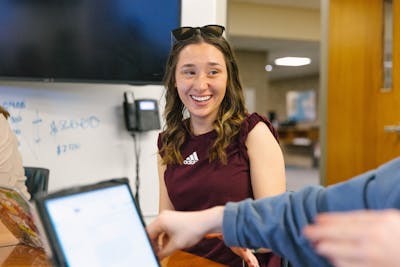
277	222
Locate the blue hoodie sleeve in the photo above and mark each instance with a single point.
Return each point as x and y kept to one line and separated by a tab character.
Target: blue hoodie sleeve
277	222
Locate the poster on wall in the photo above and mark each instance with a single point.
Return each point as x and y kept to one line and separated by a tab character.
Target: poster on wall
301	106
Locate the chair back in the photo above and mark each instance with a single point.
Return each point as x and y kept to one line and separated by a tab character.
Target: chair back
37	180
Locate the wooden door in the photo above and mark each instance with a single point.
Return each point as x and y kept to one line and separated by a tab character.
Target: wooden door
358	110
354	79
388	110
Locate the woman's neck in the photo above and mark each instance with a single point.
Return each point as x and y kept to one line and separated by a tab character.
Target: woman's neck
199	127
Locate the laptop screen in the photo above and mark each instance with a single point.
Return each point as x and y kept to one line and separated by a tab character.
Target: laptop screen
99	227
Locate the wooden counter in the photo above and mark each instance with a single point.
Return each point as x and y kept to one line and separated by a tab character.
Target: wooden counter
184	259
14	254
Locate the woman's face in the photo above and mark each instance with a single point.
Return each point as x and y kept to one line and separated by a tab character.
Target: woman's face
201	79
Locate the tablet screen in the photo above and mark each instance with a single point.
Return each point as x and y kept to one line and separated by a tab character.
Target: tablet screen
101	227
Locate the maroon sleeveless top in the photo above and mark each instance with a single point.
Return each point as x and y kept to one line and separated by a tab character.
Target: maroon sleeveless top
198	184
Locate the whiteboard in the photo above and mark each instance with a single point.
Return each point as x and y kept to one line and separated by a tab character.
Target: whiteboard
77	131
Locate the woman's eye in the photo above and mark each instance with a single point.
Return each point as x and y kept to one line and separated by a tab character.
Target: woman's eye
214	72
189	72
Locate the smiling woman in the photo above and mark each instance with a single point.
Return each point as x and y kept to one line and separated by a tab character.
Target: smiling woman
219	152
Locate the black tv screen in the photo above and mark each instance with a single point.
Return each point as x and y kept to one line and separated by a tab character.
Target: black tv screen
86	40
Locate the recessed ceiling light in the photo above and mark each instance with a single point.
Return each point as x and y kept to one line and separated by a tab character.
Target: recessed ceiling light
292	61
268	68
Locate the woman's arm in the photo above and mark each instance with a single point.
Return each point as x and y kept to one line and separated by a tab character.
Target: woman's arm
164	202
267	172
267	167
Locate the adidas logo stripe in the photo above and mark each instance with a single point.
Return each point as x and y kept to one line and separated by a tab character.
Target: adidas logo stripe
192	159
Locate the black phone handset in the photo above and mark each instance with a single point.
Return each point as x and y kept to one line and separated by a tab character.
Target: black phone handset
130	111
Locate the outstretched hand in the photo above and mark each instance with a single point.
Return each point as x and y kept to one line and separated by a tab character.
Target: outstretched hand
173	230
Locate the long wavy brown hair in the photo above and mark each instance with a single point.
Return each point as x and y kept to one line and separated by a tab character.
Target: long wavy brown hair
4	112
231	113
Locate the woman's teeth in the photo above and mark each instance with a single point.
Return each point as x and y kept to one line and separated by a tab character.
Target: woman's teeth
201	98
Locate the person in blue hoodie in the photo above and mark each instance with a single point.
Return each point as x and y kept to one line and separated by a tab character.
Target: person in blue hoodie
298	225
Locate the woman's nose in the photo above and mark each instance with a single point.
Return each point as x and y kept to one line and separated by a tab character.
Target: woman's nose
201	82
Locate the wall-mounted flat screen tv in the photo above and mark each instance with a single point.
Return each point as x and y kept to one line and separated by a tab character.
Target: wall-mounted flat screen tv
113	41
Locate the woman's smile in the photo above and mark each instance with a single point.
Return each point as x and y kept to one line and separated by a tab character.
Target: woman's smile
200	98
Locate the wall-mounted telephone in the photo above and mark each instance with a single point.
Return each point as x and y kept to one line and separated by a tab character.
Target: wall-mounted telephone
140	114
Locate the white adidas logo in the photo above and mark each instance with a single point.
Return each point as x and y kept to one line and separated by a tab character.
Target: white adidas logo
192	159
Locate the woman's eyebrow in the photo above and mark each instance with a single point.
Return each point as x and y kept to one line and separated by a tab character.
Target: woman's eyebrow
215	64
187	65
191	65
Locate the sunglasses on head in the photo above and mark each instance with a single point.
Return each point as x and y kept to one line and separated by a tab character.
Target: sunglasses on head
184	33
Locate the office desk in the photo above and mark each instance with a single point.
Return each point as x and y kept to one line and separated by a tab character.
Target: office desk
288	135
300	142
14	254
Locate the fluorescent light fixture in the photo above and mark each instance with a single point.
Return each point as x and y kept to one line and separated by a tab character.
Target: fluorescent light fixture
292	61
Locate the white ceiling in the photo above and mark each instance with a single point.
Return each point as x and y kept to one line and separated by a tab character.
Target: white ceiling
279	47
